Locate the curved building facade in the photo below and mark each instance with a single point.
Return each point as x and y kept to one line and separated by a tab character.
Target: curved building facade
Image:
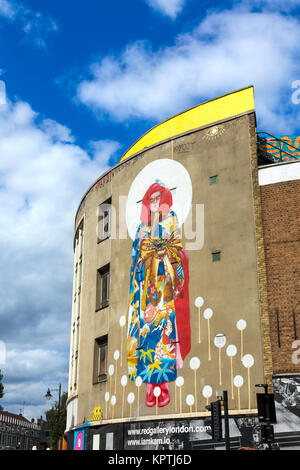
170	300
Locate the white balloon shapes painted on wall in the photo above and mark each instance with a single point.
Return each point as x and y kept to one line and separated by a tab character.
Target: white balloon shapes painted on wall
198	303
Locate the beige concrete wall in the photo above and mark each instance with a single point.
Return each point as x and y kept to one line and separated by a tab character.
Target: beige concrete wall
229	287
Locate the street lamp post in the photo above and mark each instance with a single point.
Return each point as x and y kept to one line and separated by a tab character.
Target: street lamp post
49	396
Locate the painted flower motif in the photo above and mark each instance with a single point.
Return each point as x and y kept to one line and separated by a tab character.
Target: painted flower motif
146	354
153	366
132	375
162	373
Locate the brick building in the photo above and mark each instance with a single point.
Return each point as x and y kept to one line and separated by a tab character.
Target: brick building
17	432
281	223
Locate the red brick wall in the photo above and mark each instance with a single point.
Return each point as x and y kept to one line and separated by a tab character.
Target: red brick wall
281	225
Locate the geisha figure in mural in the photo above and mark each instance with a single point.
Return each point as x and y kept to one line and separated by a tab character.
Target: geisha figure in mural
158	321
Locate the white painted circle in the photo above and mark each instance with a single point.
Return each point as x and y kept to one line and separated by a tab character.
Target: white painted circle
248	360
116	355
220	340
231	350
190	400
199	302
113	400
106	396
157	391
238	381
111	369
138	381
207	391
195	363
169	173
208	313
241	325
130	398
122	320
124	380
179	381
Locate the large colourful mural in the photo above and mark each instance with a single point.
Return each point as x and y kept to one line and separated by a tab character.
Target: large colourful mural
159	336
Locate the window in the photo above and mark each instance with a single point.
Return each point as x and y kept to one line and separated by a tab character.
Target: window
76	370
80	271
216	256
100	359
102	294
104	220
213	179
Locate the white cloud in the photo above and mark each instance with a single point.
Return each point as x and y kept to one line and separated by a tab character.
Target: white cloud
272	5
28	374
6	9
169	8
35	25
227	51
101	148
57	131
43	175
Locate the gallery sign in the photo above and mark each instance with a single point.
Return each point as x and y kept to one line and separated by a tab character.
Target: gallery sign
177	434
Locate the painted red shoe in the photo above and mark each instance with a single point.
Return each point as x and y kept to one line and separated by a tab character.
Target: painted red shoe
150	398
164	397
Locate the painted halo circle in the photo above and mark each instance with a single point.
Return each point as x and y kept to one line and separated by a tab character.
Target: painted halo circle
241	325
179	381
207	391
195	363
138	381
231	350
199	301
122	320
190	400
157	391
111	370
238	381
208	313
248	360
124	380
220	340
130	398
106	396
171	174
116	354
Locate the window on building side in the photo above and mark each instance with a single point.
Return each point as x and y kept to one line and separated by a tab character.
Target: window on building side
102	294
100	359
216	256
213	179
104	220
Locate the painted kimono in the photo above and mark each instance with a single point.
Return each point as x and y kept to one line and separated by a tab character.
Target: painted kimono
158	319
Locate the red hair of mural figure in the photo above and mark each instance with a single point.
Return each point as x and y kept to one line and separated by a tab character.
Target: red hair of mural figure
165	203
156	206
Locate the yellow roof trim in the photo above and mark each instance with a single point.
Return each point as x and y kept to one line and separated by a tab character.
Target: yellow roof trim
212	111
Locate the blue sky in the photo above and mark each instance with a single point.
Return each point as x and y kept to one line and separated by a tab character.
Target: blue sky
82	84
